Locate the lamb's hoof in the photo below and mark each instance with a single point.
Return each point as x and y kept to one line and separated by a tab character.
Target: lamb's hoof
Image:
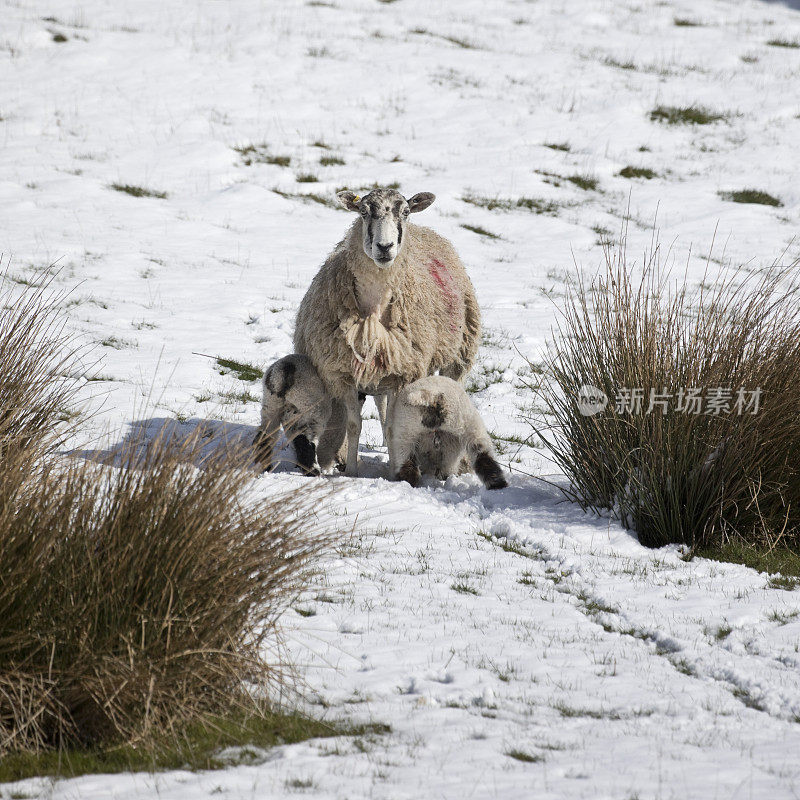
340	466
490	472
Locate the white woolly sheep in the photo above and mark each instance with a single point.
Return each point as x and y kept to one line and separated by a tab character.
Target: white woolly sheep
391	304
294	398
434	427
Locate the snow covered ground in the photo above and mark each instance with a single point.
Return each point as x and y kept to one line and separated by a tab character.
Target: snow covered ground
517	647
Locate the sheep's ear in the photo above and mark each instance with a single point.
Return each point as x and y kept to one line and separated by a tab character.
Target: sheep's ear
420	201
349	200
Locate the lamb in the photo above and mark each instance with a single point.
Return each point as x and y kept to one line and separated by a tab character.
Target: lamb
294	398
434	428
392	303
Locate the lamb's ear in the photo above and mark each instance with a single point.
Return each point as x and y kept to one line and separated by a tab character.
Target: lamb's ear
420	201
349	200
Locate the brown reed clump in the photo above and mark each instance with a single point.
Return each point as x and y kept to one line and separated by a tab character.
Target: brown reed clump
673	475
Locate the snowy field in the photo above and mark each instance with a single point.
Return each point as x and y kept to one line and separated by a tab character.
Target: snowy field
517	648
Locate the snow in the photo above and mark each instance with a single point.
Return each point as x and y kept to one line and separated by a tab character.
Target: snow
622	672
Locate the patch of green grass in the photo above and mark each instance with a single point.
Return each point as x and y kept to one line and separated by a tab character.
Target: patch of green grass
321	144
780	562
571	712
311	197
585	182
305	612
481	231
60	38
613	62
197	747
685	115
790	43
463	588
637	172
463	43
751	196
117	344
783	564
331	161
748	58
509	546
783	617
307	178
682	22
527	758
259	154
563	146
137	191
243	371
241	396
785	582
534	204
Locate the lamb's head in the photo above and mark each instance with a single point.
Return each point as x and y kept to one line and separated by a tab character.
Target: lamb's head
384	216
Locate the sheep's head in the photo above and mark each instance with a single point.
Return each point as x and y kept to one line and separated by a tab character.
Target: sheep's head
384	216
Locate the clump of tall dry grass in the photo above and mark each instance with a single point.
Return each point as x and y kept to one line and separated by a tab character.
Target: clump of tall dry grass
136	596
39	366
673	475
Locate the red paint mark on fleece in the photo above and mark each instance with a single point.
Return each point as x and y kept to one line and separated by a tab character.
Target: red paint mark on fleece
452	297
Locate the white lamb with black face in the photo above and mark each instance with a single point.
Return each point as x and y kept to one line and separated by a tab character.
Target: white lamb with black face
294	398
434	427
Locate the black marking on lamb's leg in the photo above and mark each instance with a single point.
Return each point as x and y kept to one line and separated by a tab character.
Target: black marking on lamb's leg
280	380
262	445
489	471
433	416
409	472
306	454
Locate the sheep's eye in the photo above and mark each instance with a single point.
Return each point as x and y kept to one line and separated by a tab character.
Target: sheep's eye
364	211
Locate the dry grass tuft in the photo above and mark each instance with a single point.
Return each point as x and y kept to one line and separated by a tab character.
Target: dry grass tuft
672	476
138	598
39	361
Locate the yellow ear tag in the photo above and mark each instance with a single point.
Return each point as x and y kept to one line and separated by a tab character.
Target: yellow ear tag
356	199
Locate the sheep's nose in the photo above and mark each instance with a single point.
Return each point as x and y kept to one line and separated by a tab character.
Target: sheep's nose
385	248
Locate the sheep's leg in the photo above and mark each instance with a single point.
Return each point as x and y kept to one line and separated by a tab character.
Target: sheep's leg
353	409
381	402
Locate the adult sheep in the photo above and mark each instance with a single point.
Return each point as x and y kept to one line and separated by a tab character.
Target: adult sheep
392	303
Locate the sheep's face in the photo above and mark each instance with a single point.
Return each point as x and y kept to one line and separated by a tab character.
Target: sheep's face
384	217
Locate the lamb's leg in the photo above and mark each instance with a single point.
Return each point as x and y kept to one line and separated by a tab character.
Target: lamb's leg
332	441
488	470
402	463
353	409
264	441
305	450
